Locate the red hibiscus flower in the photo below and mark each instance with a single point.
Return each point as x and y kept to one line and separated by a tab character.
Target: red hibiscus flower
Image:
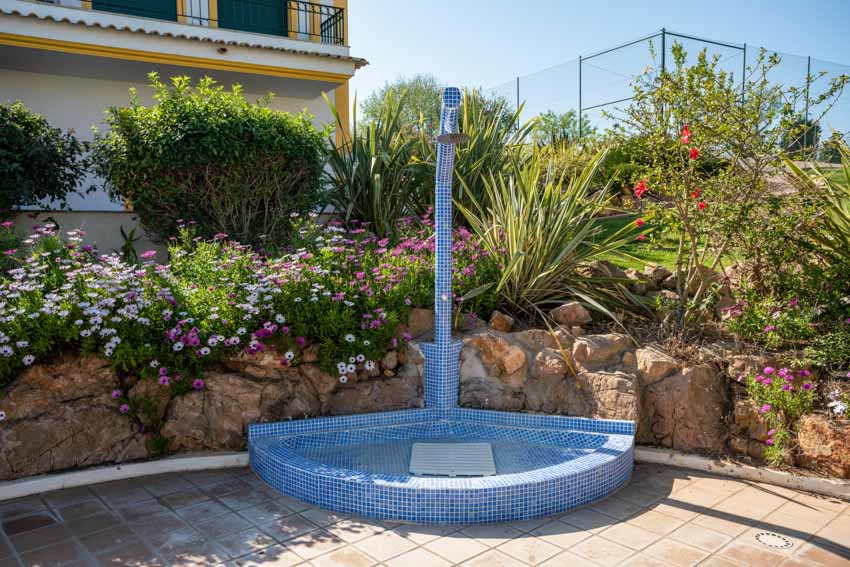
641	236
701	205
694	153
641	188
697	192
640	222
686	135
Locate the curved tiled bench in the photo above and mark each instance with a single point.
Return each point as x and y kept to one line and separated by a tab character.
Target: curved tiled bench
600	461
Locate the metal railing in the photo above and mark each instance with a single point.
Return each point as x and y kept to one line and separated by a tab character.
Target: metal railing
296	19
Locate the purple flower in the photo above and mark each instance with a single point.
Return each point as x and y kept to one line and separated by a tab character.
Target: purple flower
769	328
116	394
164	381
807	386
767	381
765	408
123	408
787	387
300	341
769	442
771	432
148	254
163	371
198	384
769	370
793	302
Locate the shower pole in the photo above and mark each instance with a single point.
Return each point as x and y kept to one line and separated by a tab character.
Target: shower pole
441	356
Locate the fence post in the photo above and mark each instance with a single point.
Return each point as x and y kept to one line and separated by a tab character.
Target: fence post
579	97
744	77
808	83
663	50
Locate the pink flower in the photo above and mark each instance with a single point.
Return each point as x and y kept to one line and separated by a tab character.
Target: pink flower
765	408
771	432
148	254
6	224
116	394
694	153
788	387
164	381
640	222
123	408
769	370
767	381
769	442
769	328
10	252
640	188
641	237
220	236
198	384
807	386
300	341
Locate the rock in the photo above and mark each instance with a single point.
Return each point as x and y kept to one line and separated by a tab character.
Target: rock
666	295
638	283
216	418
548	363
602	269
747	421
656	274
594	351
479	388
577	332
377	395
824	445
654	364
61	415
570	314
610	395
262	365
501	322
420	321
390	360
703	276
686	411
150	400
536	339
310	354
506	361
743	365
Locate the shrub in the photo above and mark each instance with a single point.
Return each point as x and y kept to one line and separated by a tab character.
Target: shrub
543	234
773	323
206	154
369	175
343	292
783	399
37	162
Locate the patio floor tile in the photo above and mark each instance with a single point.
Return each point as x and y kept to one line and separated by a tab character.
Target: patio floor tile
701	537
602	551
493	558
134	555
456	548
631	536
530	549
676	553
421	557
385	545
274	556
492	535
347	557
61	553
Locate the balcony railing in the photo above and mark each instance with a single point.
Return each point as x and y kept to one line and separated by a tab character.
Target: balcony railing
296	19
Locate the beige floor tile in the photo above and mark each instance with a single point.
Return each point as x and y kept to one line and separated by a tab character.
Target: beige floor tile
265	512
822	502
198	555
355	529
640	496
697	497
133	555
421	535
493	558
643	560
616	508
533	523
245	542
322	517
275	556
602	551
676	553
108	539
222	526
419	558
284	529
561	534
722	524
823	555
530	549
656	522
567	559
55	554
716	561
676	509
315	543
589	520
384	545
346	557
701	537
750	555
492	535
631	536
456	547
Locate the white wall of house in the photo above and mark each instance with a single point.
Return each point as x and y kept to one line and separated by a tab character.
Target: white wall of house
77	103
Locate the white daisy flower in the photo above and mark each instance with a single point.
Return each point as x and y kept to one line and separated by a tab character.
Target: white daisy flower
177	347
349	338
351	368
289	355
360	358
370	365
343	379
28	359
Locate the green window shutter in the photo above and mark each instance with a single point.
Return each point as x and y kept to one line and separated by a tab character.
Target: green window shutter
260	16
158	9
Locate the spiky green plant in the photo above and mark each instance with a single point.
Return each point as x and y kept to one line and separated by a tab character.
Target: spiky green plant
369	175
833	233
546	231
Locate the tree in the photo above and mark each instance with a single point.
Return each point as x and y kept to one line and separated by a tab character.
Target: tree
802	137
422	94
553	128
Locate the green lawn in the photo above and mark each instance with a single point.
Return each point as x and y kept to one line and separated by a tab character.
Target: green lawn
658	248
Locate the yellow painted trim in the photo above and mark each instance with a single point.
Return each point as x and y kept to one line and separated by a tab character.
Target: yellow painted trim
181	11
292	20
86	4
344	5
315	26
213	11
168	58
341	94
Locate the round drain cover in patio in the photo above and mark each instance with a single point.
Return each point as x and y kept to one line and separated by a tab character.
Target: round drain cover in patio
773	540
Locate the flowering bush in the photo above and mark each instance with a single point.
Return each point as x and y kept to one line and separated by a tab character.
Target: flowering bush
770	322
343	292
783	396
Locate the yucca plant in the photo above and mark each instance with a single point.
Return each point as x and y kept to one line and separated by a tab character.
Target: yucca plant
833	233
545	231
495	138
369	176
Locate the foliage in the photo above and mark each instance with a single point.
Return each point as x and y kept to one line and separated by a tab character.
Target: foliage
801	139
553	128
37	162
423	93
205	153
343	292
494	140
830	350
707	147
783	398
544	234
369	175
770	322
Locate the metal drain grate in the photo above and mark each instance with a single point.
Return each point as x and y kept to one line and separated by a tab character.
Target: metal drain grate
452	459
775	541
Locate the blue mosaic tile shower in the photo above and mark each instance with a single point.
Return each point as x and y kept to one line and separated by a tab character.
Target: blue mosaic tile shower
545	464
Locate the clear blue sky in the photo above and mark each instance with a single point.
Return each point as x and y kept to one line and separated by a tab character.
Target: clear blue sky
488	42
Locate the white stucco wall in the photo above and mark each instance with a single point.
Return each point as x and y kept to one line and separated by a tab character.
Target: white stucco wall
77	103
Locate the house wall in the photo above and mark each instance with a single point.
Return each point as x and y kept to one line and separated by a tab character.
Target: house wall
77	103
